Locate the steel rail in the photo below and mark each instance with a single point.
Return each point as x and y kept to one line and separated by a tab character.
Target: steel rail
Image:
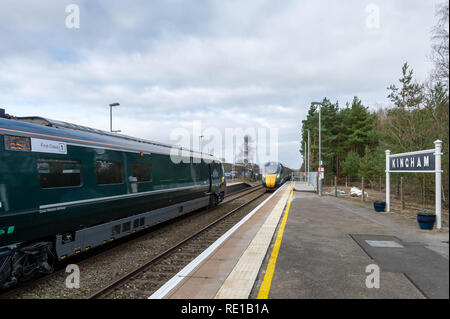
84	258
118	282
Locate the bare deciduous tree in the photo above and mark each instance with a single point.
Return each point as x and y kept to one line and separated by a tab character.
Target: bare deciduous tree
440	46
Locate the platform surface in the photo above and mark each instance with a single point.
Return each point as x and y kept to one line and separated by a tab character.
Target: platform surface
214	277
328	244
327	249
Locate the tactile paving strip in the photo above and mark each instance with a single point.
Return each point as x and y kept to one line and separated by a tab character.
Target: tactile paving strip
239	282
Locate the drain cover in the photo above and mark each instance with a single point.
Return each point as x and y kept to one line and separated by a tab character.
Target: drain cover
384	243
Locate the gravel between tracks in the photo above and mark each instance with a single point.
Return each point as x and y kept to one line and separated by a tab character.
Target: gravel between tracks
99	270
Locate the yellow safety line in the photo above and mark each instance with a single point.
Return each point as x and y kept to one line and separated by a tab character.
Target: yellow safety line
265	286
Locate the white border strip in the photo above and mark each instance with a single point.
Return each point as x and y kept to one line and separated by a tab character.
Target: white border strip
413	153
412	171
175	280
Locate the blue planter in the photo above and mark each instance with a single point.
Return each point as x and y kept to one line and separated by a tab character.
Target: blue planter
379	206
426	221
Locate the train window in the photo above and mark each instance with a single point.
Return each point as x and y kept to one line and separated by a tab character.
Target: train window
199	172
143	172
109	172
59	173
215	172
271	168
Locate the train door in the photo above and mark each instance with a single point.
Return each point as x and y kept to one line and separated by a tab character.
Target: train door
215	175
139	172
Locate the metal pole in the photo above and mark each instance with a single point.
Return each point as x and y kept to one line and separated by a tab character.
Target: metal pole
308	157
320	152
438	182
317	183
304	157
320	145
388	183
110	116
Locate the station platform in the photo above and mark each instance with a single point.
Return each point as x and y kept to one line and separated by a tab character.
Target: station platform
299	245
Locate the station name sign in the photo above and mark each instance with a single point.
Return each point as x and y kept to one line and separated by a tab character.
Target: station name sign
422	161
425	161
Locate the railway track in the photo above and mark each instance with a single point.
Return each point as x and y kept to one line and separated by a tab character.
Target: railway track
147	278
81	259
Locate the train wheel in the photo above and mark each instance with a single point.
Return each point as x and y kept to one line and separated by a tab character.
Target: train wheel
33	259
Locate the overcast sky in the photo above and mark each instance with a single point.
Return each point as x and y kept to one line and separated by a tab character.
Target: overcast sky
228	64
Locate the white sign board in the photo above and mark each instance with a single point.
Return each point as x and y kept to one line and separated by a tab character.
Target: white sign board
47	146
413	162
426	161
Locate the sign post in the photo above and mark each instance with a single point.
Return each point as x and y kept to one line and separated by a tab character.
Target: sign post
388	183
438	181
426	161
321	171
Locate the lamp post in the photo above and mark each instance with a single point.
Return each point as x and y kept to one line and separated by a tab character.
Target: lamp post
304	159
110	116
308	156
320	145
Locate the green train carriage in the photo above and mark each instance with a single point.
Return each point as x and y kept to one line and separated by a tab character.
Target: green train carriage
65	189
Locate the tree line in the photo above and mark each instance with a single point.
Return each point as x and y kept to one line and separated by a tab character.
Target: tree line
354	138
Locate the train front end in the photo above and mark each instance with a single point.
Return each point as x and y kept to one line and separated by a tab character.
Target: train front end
272	175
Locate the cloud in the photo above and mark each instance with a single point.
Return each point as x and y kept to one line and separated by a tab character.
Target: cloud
226	63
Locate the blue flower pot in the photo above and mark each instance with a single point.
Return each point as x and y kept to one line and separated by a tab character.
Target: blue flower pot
379	206
426	221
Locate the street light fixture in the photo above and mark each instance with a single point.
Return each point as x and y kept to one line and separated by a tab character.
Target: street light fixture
320	146
110	117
